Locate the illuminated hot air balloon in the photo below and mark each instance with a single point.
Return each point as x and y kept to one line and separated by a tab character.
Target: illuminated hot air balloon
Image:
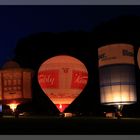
138	58
62	78
15	84
0	108
117	75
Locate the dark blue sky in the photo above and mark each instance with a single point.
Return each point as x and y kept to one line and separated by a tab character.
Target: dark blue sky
19	21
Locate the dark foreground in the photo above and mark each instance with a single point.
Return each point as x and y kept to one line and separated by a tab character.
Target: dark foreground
68	126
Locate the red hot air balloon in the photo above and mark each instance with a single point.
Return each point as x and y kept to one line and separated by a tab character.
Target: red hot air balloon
62	78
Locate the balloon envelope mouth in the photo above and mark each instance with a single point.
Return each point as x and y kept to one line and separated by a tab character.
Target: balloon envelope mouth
61	107
120	103
13	106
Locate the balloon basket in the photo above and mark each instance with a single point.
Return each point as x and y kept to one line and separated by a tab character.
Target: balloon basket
66	115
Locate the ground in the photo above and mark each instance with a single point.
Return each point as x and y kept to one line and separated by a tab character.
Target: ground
74	125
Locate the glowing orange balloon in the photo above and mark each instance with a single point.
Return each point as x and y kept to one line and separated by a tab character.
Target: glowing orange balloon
15	84
62	78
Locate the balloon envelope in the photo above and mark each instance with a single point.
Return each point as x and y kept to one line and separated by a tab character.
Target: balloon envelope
138	58
0	107
15	84
62	78
117	74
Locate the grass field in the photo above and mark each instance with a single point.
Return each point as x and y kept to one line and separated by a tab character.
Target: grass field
74	125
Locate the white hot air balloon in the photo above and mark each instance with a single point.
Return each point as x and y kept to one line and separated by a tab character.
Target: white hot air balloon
62	78
117	75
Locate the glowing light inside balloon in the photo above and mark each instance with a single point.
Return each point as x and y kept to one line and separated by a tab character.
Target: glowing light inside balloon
61	107
13	106
62	78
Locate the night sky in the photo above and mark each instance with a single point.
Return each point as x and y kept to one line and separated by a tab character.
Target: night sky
19	21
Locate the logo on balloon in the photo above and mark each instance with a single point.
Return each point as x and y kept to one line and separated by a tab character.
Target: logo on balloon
50	80
79	79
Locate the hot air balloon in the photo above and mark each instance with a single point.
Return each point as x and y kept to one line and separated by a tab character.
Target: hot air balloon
15	84
117	75
62	78
1	113
138	58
